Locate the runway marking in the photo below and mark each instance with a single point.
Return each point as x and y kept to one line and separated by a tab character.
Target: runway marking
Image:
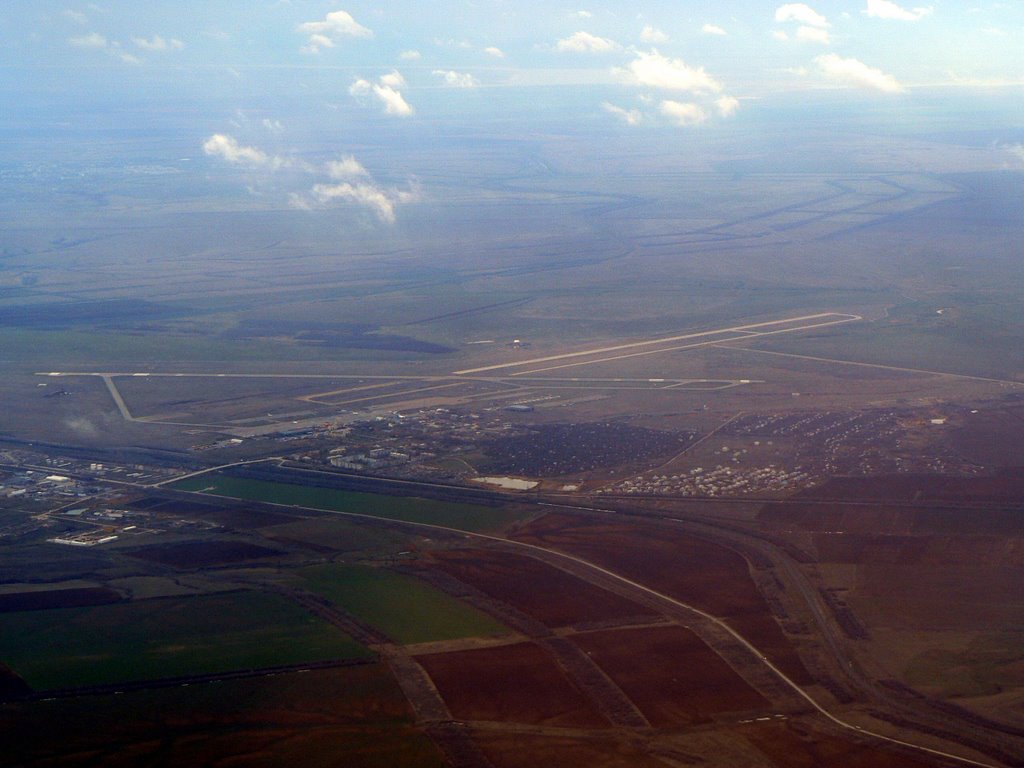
695	345
747	329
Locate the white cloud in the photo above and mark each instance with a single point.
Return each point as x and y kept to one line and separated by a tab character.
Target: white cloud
857	73
409	55
629	116
350	181
657	71
683	113
494	51
381	201
885	9
813	35
346	169
584	42
801	13
274	126
1016	150
713	29
651	34
227	148
386	91
779	34
158	44
335	25
76	16
583	14
392	79
92	40
127	58
457	79
727	105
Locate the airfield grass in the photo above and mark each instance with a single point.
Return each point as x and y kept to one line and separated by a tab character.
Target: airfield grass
970	342
406	610
168	637
466	517
63	348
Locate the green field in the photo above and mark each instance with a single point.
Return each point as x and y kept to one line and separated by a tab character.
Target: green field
406	610
170	637
465	517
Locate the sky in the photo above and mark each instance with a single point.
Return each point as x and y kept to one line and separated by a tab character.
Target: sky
646	66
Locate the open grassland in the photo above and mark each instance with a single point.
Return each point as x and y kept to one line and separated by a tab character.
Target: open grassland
64	348
989	665
406	610
467	517
162	638
354	716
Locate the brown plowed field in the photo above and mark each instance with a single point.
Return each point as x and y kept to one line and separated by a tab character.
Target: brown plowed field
931	582
695	571
991	437
519	751
866	549
513	683
899	521
787	747
538	589
670	674
1004	487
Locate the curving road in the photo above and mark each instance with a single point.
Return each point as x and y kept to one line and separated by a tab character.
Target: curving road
587	565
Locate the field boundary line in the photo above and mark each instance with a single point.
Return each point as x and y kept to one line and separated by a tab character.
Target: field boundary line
782	676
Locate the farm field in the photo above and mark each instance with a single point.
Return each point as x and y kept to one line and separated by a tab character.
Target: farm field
405	609
708	575
528	751
165	637
932	585
670	674
789	746
551	596
356	711
455	515
510	683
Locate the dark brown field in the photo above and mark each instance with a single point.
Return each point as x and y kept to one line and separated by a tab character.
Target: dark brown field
512	683
519	751
670	674
1004	487
41	600
352	716
696	571
537	589
789	746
